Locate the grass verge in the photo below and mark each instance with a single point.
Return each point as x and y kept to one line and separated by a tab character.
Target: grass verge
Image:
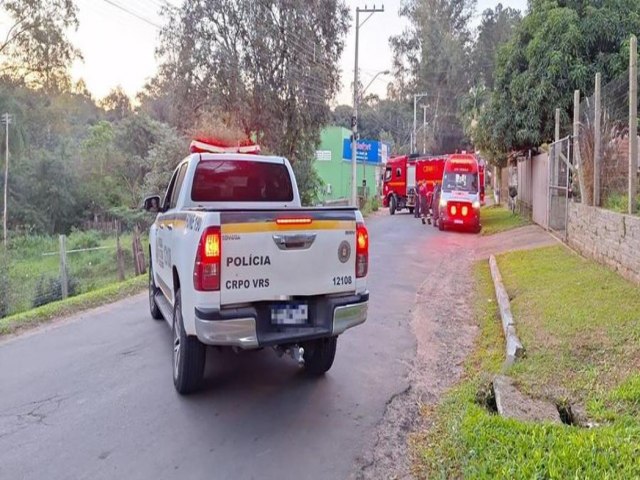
72	305
496	219
580	325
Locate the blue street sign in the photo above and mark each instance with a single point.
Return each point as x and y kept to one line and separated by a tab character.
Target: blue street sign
369	151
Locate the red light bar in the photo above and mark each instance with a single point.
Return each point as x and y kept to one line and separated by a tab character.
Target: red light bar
210	145
294	221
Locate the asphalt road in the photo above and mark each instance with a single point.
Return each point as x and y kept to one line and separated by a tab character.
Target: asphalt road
92	396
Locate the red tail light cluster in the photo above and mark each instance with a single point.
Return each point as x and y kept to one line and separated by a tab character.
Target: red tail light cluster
362	250
206	271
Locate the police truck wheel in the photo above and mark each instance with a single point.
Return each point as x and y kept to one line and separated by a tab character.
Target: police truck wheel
188	355
392	205
319	355
156	314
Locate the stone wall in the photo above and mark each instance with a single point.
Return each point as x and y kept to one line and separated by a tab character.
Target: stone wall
610	238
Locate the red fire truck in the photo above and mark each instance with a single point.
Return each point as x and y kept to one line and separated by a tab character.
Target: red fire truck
402	176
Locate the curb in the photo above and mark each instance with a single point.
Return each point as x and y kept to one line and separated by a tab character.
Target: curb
514	348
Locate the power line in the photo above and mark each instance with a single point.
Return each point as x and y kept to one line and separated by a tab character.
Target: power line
134	14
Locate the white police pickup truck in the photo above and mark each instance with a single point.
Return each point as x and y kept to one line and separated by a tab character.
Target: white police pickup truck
235	261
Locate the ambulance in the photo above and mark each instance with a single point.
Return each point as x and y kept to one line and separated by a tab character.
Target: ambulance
460	198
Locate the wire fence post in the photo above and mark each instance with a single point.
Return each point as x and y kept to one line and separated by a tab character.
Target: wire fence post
633	123
119	255
597	143
64	277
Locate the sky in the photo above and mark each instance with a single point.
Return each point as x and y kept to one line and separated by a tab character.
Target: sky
118	46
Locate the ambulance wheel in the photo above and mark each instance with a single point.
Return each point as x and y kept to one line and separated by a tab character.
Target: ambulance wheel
319	355
392	205
189	355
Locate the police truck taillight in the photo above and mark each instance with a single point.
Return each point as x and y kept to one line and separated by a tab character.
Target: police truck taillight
206	271
362	250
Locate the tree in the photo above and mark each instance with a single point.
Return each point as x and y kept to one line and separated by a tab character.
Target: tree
557	48
36	47
432	56
272	66
117	104
496	28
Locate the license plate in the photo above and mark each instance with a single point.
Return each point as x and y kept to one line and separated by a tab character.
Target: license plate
289	314
458	222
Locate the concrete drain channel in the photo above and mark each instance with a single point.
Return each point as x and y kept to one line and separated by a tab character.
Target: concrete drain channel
502	396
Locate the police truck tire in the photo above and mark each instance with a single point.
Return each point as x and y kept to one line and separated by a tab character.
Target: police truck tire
319	355
392	205
156	314
189	355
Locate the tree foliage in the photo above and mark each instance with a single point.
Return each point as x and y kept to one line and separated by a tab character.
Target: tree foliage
270	66
36	48
432	56
557	48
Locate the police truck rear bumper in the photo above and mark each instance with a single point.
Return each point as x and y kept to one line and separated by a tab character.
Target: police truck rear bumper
250	327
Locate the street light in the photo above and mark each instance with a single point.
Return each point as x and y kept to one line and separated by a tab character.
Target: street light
414	143
383	72
364	162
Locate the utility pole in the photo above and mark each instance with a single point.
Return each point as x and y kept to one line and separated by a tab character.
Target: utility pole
424	129
354	118
6	119
414	142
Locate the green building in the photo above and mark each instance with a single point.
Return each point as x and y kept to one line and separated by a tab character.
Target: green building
333	163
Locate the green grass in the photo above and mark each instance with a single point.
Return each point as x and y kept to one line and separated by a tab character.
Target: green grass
580	324
27	266
73	305
496	219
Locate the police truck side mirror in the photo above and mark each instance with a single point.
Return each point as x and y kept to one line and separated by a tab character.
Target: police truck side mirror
152	204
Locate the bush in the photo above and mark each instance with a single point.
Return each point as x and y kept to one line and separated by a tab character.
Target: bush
49	289
79	240
619	203
4	295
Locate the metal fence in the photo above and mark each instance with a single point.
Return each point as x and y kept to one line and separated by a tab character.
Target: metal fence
560	186
37	270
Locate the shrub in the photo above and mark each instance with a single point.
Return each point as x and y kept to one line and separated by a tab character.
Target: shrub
79	239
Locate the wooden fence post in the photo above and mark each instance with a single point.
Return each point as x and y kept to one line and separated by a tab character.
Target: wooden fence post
597	143
119	256
64	277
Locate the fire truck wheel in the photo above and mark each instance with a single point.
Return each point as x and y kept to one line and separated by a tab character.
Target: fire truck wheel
392	205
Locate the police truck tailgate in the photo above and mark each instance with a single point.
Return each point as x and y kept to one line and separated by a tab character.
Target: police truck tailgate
303	253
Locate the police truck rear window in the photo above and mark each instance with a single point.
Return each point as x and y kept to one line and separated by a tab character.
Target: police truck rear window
241	181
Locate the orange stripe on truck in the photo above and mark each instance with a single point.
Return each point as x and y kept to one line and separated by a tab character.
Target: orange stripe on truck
272	226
